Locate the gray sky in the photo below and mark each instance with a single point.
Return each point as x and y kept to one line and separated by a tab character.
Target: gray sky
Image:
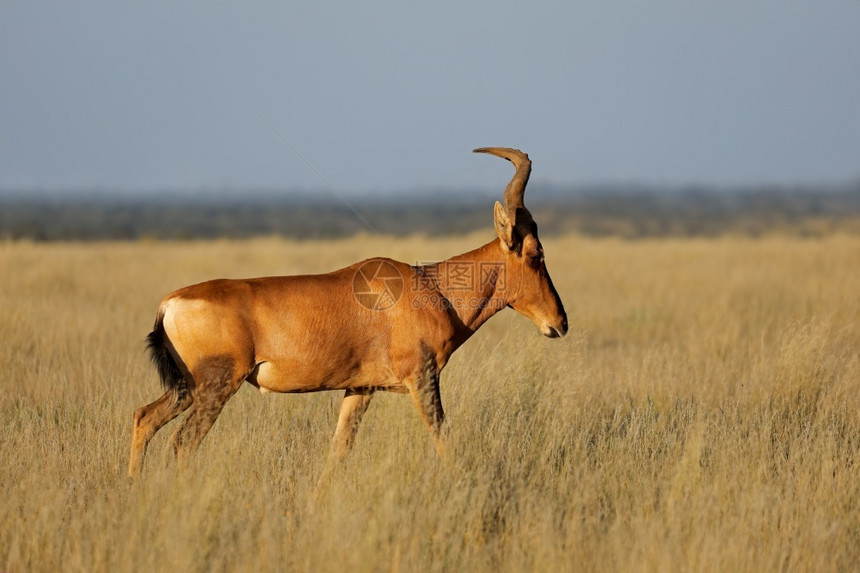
389	96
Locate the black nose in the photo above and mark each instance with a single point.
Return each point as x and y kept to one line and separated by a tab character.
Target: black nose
564	325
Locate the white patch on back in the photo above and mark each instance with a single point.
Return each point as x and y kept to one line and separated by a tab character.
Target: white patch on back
182	310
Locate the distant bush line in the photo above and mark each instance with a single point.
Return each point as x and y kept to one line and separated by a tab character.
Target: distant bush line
628	213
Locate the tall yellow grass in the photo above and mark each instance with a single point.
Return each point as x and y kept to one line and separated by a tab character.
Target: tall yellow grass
703	414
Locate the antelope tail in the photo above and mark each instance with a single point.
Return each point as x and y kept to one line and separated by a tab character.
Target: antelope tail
169	372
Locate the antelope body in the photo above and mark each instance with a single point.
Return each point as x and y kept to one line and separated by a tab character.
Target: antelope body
376	325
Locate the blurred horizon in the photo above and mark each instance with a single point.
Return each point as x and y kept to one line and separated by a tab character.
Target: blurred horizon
627	211
537	192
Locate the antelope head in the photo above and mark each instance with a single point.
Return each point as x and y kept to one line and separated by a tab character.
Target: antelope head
529	288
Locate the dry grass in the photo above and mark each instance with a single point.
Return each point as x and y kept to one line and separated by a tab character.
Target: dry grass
702	415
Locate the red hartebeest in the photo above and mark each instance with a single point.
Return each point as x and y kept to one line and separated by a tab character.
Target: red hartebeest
376	325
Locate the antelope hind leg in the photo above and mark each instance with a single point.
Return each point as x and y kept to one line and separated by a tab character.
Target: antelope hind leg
148	420
219	385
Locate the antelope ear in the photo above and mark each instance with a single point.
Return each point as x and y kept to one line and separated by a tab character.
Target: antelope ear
504	228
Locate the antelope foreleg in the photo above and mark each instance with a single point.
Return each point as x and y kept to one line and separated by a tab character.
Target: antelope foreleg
425	394
353	407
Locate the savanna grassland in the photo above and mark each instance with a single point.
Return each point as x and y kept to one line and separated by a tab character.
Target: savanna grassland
703	414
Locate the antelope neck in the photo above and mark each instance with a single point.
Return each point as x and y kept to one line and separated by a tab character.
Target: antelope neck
474	284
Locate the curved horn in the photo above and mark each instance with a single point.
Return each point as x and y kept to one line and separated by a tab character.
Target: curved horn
516	188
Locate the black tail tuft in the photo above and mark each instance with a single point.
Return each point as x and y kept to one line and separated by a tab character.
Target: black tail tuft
171	376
